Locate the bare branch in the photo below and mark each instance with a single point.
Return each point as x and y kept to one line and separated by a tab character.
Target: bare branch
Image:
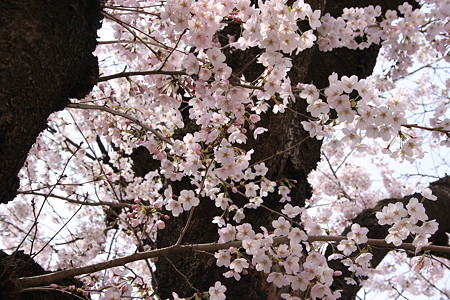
140	73
26	282
439	129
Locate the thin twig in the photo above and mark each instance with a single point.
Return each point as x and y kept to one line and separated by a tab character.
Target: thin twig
140	73
438	129
51	239
121	114
280	152
181	274
100	203
183	232
337	178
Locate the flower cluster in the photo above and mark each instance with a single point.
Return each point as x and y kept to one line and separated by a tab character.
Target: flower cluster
405	221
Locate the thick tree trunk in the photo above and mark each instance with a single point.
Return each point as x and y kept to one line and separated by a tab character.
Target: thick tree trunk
46	58
285	131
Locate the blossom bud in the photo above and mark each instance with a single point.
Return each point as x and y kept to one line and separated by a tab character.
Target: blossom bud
160	224
135	222
418	266
157	204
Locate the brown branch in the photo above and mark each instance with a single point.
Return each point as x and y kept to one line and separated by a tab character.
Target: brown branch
140	73
26	282
438	129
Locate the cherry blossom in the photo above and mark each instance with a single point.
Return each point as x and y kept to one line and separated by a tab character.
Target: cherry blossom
198	119
217	292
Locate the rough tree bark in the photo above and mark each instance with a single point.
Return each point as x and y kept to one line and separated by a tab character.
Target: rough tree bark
22	265
46	58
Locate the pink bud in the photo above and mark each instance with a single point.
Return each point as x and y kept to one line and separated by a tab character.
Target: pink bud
252	127
137	201
54	286
157	204
418	266
337	273
134	222
160	224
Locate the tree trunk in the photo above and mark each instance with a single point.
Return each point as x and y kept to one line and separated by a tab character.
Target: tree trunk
46	58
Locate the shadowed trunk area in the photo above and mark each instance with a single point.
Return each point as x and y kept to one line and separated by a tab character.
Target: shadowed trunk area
19	264
46	58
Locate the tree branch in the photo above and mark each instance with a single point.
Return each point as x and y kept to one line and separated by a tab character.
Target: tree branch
139	73
26	282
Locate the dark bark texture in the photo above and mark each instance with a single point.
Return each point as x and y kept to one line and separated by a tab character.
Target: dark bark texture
19	264
45	59
285	131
